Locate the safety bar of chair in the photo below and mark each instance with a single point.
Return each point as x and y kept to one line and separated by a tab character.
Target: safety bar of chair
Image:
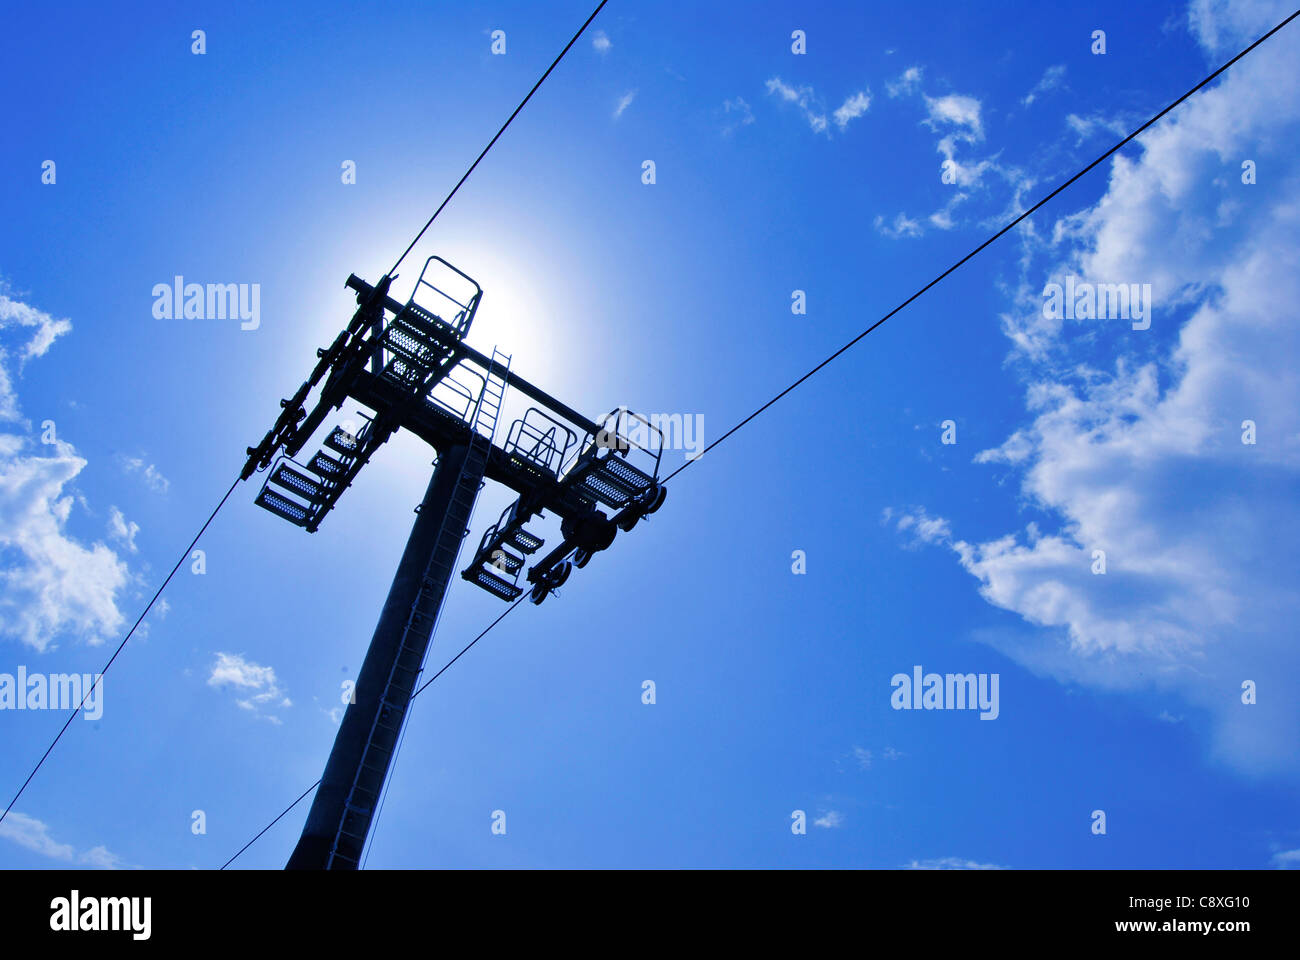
478	290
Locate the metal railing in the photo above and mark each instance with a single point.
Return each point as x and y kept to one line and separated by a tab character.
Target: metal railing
540	443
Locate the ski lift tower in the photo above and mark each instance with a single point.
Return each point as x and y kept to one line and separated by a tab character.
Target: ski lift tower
413	369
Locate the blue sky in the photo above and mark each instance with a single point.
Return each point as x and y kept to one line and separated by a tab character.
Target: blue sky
774	172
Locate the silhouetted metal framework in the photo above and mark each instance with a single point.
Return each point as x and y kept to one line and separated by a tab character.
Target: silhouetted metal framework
413	369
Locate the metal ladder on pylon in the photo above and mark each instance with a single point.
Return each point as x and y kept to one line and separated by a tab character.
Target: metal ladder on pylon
385	731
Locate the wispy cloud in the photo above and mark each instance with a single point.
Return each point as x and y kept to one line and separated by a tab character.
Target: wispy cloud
943	219
153	478
624	102
1287	860
804	99
33	835
909	82
744	114
1052	78
42	330
600	42
958	120
960	112
1085	128
866	758
52	583
122	530
951	863
256	687
900	226
924	528
852	108
830	820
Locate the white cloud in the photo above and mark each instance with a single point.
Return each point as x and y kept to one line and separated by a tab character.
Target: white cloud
805	99
153	479
942	219
122	530
865	758
961	174
51	583
909	82
101	857
852	108
256	686
900	226
1287	860
1085	128
1052	78
924	528
958	119
744	114
600	42
830	820
951	863
235	670
780	88
146	626
45	328
1144	460
957	111
1222	26
34	835
624	102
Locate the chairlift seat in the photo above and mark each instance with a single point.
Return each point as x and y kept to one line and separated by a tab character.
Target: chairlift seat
493	584
283	507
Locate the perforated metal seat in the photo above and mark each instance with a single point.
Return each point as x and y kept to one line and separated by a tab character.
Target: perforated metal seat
342	441
525	541
283	507
286	476
493	584
325	466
